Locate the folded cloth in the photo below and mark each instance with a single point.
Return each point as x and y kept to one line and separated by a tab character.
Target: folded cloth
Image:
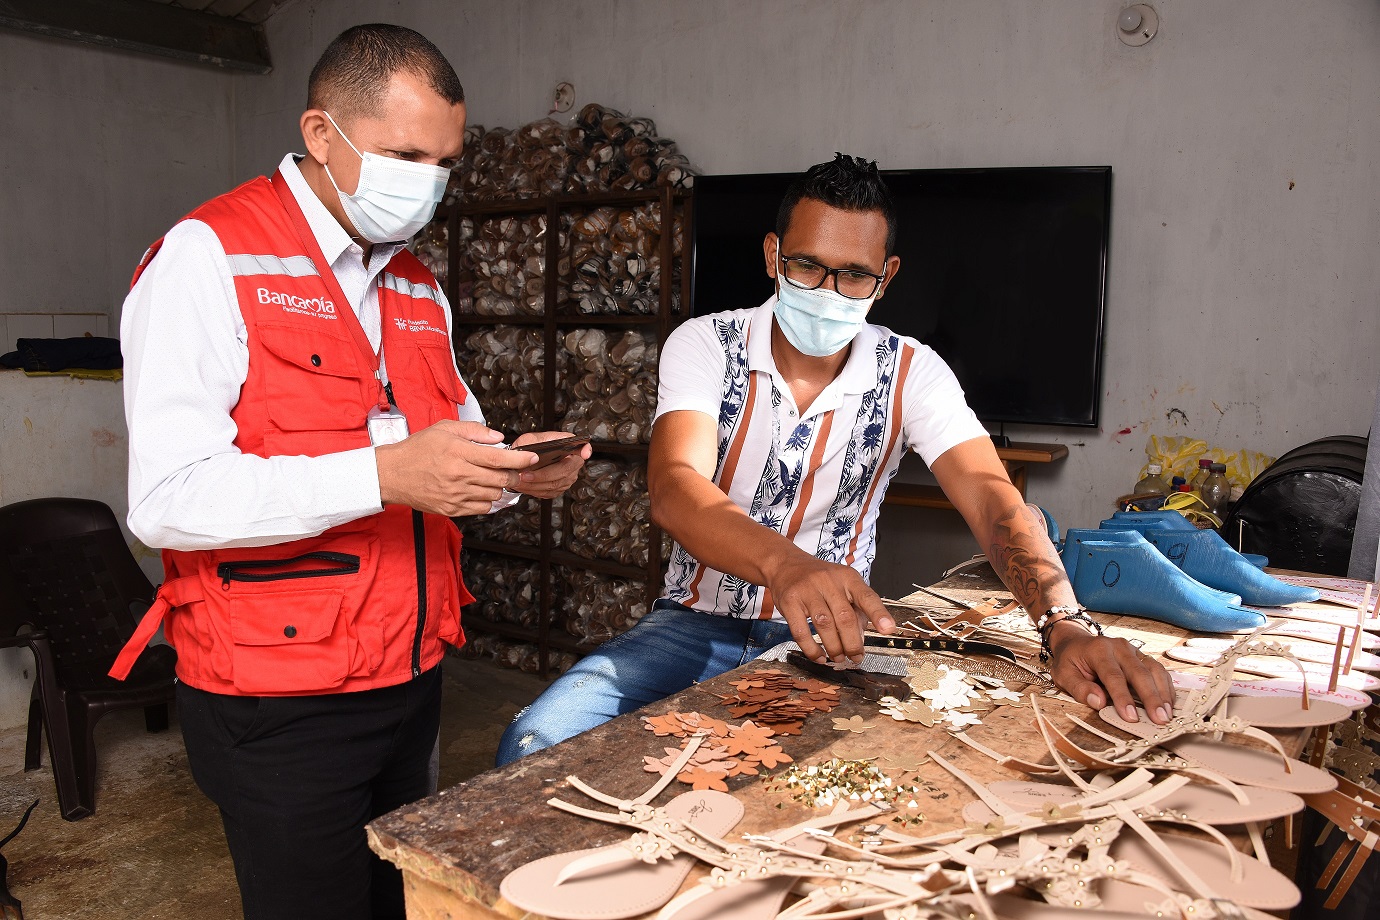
93	352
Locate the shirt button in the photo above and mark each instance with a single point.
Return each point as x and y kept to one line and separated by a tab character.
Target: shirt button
290	631
316	362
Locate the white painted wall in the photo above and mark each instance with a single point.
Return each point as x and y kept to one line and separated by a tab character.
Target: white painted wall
1247	304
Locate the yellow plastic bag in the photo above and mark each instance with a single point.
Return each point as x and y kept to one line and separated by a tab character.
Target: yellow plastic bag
1179	456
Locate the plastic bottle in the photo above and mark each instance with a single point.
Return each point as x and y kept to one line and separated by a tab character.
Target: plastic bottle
1153	483
1196	483
1216	489
1178	485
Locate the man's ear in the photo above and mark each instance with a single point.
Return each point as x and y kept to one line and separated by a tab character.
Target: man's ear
314	135
770	247
893	265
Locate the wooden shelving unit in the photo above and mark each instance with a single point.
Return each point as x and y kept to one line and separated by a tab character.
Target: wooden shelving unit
559	315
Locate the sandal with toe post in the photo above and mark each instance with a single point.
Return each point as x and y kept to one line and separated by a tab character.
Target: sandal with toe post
630	878
1117	821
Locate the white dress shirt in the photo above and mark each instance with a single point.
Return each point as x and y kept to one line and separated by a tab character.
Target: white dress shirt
186	356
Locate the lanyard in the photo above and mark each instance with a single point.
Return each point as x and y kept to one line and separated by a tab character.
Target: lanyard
323	268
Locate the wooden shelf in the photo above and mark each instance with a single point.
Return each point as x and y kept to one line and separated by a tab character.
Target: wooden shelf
558	640
519	550
916	495
579	320
1032	452
565	557
1014	457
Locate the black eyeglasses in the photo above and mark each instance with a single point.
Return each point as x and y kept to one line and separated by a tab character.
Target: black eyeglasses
851	283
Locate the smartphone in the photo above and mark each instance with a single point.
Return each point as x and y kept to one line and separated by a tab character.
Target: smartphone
549	452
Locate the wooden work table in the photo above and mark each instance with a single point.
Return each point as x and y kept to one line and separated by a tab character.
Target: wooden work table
455	848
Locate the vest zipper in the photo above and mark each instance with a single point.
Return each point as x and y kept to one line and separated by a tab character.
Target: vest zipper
419	545
344	564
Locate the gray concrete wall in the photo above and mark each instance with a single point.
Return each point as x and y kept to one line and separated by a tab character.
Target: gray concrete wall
1243	285
101	152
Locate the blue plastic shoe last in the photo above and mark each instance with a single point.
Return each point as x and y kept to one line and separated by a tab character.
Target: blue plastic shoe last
1166	520
1119	571
1206	557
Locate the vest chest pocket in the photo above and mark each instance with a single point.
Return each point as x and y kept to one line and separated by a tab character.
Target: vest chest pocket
313	385
433	369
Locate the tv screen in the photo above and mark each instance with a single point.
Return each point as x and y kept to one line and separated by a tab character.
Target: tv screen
1003	273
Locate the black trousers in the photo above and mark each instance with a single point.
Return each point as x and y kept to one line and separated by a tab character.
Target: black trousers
297	778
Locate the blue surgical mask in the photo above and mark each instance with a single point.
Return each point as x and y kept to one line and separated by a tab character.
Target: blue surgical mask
394	199
819	322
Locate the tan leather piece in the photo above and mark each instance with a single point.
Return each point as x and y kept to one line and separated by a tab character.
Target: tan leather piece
1259	886
1274	667
754	900
625	888
1208	804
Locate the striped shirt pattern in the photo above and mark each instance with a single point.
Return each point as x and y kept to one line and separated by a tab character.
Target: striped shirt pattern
817	479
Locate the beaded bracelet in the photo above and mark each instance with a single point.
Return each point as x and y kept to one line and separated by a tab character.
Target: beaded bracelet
1044	625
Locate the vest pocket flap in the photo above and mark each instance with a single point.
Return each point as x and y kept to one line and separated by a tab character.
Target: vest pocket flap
441	361
285	617
314	353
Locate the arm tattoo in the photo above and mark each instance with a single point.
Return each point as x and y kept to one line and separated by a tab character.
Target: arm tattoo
1026	562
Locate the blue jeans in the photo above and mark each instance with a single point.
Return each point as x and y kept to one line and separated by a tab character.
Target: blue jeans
669	649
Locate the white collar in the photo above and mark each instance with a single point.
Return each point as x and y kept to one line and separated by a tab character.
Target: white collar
330	236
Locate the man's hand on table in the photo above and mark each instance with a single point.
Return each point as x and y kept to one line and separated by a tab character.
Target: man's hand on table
1089	668
831	598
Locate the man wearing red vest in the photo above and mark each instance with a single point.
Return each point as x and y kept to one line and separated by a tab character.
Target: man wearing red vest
299	438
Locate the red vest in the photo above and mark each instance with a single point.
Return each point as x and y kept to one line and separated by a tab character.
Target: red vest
366	604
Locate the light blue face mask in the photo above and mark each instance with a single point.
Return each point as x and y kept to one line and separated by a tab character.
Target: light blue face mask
819	322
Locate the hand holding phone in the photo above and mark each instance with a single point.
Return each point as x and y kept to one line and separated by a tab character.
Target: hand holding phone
549	452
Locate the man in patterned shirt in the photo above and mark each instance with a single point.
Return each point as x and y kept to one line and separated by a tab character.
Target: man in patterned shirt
777	431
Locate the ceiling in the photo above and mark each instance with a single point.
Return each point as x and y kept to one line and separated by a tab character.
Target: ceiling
255	11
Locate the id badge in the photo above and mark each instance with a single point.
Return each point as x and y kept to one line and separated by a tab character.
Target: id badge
386	427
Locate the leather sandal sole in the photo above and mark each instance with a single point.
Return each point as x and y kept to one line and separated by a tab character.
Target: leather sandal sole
1303	649
1267	666
1248	766
621	889
1278	687
1208	804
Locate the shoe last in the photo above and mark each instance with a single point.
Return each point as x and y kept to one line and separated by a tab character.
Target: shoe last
1119	571
1165	520
1206	557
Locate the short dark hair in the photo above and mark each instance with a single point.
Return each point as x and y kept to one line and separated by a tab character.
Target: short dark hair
355	69
848	183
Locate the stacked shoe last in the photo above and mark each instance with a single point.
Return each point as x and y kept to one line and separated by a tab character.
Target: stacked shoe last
1205	557
1120	571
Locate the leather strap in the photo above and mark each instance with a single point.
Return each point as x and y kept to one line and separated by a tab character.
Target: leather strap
1358	859
939	644
873	684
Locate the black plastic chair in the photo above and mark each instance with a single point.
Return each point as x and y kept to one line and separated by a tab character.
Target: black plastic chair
71	591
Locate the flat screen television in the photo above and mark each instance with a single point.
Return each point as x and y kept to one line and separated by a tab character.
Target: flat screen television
1003	273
